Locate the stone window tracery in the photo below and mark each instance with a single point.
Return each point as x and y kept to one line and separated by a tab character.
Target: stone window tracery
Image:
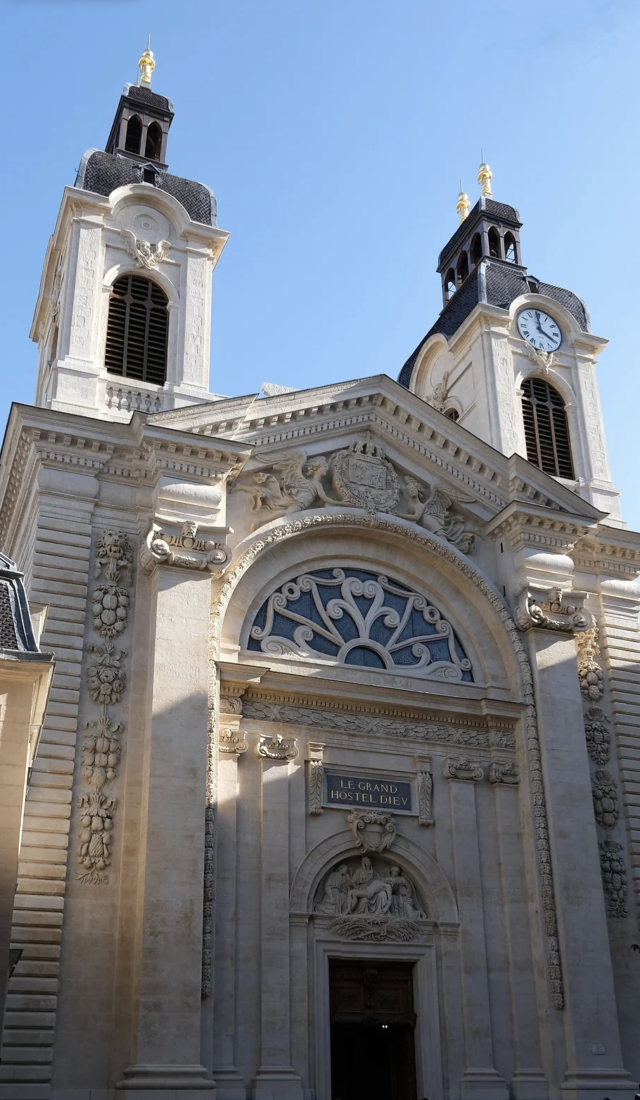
354	617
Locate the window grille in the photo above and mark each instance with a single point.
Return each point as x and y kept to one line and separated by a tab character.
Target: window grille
137	330
545	428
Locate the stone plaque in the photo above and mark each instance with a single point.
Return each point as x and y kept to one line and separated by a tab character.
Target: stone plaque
349	791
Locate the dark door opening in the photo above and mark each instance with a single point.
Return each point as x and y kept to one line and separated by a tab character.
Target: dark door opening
372	1028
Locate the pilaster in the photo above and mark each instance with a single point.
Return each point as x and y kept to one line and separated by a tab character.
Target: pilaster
167	1031
275	1076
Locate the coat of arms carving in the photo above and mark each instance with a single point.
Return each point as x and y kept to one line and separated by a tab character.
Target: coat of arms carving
362	476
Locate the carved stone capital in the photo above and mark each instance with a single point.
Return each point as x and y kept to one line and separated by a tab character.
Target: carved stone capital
166	546
275	747
504	773
552	609
232	742
464	770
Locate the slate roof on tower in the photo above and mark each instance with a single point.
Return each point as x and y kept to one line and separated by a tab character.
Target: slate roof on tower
103	172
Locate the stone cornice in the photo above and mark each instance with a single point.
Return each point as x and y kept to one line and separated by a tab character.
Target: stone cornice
609	550
267	685
523	524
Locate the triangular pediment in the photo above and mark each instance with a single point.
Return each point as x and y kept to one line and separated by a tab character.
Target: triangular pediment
417	439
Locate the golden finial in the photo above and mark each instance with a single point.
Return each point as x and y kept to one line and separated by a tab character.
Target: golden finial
484	177
463	206
146	65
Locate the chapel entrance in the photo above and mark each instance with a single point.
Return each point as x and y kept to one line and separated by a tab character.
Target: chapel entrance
372	1026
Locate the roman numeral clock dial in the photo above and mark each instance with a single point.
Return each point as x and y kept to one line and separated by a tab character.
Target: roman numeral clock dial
539	329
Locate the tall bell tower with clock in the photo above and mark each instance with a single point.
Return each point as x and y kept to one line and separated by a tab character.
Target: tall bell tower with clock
513	358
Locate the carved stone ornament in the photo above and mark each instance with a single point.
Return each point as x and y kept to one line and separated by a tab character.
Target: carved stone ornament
614	878
589	671
368	901
504	773
210	555
424	782
462	769
543	359
110	606
596	729
360	476
96	837
440	397
145	254
549	610
105	677
231	704
605	799
101	751
275	747
232	742
316	777
372	830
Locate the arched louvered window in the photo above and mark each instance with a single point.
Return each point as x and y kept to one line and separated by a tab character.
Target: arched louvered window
545	428
154	142
137	330
134	135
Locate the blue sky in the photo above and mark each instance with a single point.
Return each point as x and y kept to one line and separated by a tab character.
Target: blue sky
334	134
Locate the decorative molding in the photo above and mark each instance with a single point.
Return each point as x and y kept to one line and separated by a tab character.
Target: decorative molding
463	770
548	610
291	529
372	830
370	725
505	773
424	783
598	737
375	929
605	799
614	878
360	476
274	747
316	777
332	625
143	252
589	671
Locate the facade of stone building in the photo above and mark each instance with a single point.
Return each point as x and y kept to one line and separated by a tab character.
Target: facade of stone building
343	742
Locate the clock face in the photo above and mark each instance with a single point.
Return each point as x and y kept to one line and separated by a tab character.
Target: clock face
539	329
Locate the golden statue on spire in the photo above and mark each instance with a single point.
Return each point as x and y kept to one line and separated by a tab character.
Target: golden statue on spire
146	65
484	177
463	206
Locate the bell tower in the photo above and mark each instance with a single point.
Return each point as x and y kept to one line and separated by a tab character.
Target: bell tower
512	358
122	320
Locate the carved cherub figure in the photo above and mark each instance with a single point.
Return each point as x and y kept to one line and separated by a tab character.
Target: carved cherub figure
431	510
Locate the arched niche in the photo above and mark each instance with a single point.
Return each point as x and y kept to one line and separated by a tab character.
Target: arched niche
285	548
432	885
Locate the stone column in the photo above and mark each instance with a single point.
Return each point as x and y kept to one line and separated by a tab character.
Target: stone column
480	1080
592	1040
275	1077
167	1039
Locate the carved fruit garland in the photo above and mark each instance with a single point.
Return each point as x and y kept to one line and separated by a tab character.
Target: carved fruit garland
606	806
106	682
